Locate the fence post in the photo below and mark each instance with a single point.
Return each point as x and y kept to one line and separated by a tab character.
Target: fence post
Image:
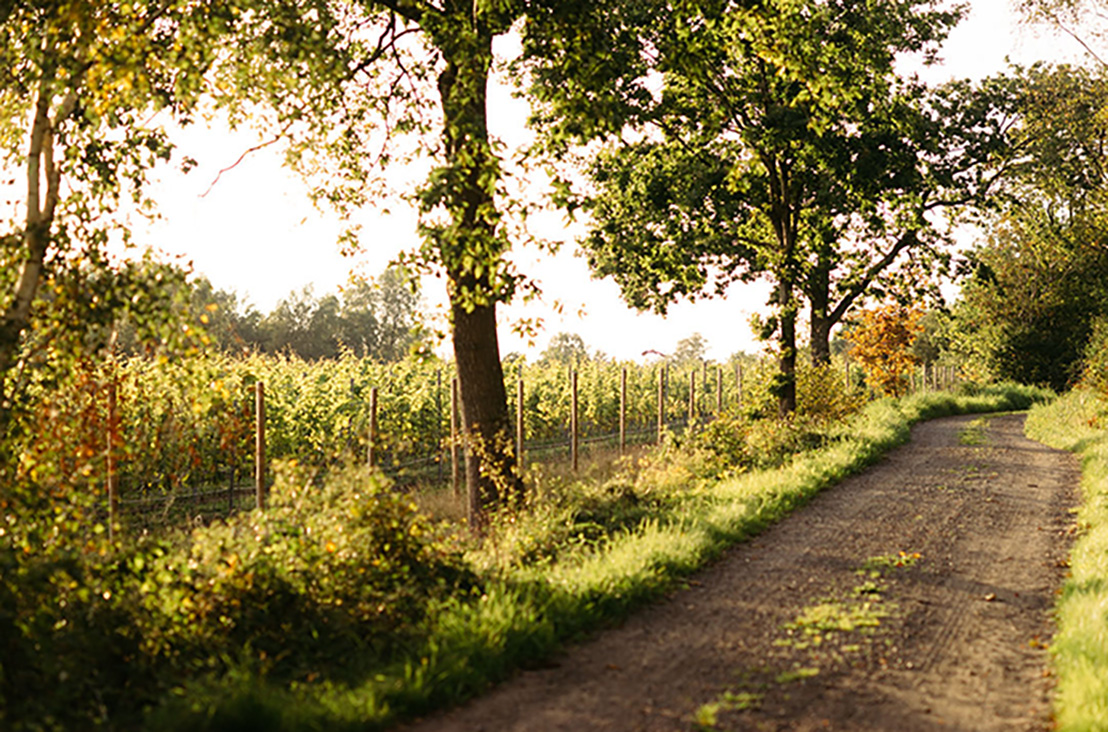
719	391
113	437
454	467
739	381
239	408
623	410
259	445
704	379
438	419
371	446
519	424
661	402
573	419
692	398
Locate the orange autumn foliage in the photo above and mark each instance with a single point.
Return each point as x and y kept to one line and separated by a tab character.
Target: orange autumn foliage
882	340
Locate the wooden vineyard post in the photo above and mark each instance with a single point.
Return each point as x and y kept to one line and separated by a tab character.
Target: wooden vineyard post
692	398
259	445
623	411
237	407
739	382
519	424
719	391
113	440
661	402
438	420
703	383
371	446
454	467
573	420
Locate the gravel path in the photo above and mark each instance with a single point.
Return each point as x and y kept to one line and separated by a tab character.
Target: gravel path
954	641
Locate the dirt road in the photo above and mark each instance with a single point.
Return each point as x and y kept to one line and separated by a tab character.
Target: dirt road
830	621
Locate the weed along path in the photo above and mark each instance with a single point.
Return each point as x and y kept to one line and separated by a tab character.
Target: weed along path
915	596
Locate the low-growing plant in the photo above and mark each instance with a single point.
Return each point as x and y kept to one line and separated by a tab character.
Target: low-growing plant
340	607
331	580
1079	650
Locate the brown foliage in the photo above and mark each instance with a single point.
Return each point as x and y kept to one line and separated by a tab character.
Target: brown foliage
882	339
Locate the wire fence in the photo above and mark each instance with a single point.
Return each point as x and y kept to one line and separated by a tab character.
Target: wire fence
223	489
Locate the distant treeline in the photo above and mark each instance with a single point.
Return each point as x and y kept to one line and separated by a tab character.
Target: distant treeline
378	319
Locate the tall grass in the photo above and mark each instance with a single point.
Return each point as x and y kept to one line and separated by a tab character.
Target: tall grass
1075	423
528	608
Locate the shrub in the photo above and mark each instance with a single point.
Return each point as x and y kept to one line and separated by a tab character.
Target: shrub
330	581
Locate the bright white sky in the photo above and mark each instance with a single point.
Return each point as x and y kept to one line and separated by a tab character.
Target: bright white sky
256	233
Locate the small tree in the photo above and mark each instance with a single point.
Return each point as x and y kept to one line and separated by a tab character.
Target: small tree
690	350
84	90
566	348
882	341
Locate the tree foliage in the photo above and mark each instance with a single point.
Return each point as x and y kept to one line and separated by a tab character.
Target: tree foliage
770	140
691	350
370	320
85	90
568	349
391	57
881	341
1035	286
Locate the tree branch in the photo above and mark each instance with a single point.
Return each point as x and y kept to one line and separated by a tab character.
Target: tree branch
6	9
855	291
1072	34
412	10
256	148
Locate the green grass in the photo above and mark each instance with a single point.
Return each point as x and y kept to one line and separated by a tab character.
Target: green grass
974	434
553	576
528	611
827	630
1080	649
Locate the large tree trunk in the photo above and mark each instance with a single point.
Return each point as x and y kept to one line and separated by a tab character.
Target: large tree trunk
43	181
784	219
489	458
820	336
471	250
786	372
819	297
824	316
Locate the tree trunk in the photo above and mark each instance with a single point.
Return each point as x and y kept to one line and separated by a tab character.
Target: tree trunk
819	297
820	334
786	376
471	249
784	219
489	460
41	203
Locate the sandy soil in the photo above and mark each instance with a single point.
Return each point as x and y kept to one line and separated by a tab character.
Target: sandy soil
957	641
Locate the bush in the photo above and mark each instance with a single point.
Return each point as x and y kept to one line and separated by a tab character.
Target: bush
330	582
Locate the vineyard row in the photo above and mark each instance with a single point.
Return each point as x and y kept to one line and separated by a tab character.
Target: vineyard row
182	434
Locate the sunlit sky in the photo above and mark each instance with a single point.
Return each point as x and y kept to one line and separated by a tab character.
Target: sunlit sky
256	233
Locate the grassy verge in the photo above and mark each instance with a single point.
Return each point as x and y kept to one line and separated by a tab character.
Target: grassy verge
341	608
525	612
1075	423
